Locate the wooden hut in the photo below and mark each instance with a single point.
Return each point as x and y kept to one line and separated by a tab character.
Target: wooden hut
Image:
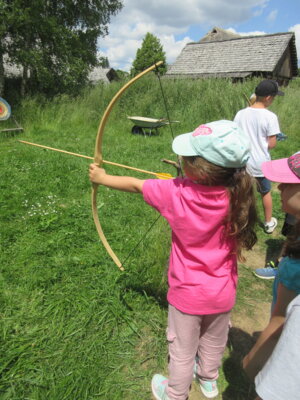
220	55
105	75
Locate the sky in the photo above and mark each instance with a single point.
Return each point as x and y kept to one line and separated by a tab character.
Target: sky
178	22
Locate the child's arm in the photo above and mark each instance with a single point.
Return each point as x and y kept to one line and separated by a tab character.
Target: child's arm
272	141
125	183
261	351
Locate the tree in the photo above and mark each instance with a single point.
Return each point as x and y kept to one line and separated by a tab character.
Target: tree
54	41
150	52
103	62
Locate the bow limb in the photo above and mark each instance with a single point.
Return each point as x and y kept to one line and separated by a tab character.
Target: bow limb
98	159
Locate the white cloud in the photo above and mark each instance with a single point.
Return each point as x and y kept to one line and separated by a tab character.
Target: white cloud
272	16
167	20
173	47
296	29
122	53
180	14
253	33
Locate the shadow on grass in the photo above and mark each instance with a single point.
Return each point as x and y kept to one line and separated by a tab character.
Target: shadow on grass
159	295
273	249
157	292
239	387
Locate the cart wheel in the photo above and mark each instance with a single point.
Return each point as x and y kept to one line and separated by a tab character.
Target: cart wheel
136	130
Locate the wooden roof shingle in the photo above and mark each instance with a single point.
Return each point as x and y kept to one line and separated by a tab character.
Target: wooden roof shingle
100	74
238	57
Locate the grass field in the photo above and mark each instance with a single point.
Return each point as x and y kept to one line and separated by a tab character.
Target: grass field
72	325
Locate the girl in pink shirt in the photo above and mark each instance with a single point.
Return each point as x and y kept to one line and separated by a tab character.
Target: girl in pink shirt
212	215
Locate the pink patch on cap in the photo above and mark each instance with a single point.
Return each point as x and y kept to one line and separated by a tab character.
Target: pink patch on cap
294	164
202	130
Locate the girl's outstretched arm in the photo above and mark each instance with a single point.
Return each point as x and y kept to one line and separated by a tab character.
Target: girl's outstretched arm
125	183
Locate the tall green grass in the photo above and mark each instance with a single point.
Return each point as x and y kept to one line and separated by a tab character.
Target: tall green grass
72	325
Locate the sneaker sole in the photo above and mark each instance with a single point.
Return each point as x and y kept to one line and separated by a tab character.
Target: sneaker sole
264	277
209	395
269	233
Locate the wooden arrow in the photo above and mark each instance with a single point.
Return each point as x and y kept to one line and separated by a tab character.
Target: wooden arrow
160	175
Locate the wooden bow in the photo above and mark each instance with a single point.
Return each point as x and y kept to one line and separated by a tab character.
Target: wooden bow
99	160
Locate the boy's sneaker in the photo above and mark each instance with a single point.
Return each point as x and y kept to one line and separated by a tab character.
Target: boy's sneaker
268	272
209	388
159	385
270	226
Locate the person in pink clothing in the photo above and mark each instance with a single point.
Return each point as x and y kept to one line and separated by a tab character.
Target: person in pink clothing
212	214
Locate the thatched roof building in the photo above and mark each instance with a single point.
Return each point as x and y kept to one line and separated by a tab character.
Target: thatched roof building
105	75
269	56
98	74
218	34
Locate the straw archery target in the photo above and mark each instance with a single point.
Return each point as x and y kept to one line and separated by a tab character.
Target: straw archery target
5	110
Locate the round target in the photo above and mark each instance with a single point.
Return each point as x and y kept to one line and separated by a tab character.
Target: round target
5	110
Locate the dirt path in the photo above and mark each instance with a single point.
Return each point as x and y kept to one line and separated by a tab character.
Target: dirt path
259	317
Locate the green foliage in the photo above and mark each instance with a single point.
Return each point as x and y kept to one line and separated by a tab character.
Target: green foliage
150	52
54	41
103	62
72	325
122	74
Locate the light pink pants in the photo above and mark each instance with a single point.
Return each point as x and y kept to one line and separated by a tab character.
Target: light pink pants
191	335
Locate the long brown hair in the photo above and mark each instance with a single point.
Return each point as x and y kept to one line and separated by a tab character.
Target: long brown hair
242	217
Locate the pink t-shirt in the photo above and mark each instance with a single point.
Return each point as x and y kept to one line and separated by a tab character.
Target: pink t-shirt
203	265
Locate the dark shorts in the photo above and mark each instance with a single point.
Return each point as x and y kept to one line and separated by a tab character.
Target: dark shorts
263	184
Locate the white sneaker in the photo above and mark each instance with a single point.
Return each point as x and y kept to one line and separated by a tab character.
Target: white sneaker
270	226
209	388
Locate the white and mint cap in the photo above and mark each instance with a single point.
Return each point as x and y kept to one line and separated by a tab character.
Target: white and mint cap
221	142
